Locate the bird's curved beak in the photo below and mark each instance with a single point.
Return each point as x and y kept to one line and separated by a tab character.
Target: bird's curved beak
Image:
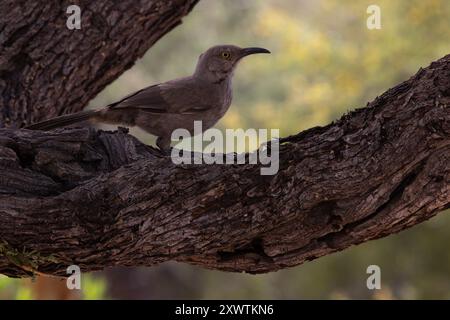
253	50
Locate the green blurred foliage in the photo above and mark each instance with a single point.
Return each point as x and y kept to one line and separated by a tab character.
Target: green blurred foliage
18	289
324	62
94	288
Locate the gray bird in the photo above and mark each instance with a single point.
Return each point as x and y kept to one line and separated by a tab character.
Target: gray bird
160	109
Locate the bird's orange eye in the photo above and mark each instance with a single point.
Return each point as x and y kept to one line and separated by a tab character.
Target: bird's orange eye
226	55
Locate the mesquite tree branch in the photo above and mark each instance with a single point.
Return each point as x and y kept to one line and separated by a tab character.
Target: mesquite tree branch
98	199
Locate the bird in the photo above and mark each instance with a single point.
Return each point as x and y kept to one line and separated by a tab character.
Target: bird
160	109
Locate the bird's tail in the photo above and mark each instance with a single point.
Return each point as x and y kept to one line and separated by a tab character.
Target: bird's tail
63	121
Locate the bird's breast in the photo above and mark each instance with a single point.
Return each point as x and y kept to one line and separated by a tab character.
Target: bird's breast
227	97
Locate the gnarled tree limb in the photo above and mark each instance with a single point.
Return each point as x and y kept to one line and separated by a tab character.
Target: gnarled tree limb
98	199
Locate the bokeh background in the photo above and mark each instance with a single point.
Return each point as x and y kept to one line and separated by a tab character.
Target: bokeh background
325	62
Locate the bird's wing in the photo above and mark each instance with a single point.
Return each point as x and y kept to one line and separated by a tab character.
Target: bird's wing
148	98
178	97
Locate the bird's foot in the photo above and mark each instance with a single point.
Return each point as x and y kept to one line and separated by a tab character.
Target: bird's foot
164	145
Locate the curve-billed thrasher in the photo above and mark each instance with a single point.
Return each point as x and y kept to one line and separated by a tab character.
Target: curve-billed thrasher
160	109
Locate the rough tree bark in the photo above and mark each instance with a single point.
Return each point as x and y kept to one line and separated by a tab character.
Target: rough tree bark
97	199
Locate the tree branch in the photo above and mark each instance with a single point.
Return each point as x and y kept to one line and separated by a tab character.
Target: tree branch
98	199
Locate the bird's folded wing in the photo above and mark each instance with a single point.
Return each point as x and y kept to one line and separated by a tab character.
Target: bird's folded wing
169	98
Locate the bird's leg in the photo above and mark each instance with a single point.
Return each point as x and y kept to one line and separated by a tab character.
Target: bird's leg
163	144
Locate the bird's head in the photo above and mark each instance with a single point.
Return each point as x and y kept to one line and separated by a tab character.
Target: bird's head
218	63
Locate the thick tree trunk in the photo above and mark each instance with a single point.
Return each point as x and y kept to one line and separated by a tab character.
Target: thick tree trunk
98	199
47	70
